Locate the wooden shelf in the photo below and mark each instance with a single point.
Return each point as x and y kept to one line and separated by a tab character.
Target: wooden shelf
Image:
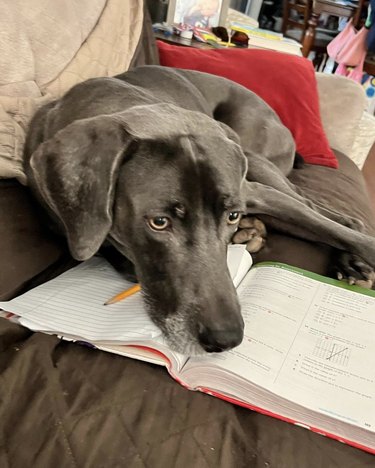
369	67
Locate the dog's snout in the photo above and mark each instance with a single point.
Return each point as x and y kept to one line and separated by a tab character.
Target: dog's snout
216	341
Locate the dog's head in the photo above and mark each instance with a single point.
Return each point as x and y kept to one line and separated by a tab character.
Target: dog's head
163	185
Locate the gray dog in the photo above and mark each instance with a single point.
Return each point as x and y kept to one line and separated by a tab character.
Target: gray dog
161	164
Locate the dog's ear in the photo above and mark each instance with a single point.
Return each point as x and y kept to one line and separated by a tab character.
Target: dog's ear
75	173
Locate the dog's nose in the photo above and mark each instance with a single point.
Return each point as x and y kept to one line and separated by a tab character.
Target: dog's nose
216	341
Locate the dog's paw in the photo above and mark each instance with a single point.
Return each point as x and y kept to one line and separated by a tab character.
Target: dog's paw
252	232
354	270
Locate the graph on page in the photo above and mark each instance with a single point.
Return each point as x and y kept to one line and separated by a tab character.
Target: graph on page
332	352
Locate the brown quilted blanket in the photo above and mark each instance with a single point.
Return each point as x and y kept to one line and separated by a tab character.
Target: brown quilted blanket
64	405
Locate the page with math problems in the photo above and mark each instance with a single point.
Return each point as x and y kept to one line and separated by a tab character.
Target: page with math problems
306	337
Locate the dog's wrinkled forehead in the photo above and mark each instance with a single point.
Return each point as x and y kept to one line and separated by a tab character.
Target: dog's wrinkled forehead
209	139
208	167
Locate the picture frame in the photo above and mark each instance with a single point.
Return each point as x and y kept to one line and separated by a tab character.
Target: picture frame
198	13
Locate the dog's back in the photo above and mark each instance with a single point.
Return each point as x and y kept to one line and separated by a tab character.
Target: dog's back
260	129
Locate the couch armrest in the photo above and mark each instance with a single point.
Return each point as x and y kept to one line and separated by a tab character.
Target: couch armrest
342	103
364	140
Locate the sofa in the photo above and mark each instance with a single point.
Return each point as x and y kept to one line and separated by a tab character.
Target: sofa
66	405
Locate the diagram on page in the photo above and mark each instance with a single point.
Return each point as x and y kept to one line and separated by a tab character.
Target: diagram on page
332	351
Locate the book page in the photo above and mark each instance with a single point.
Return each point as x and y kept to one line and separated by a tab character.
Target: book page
73	304
304	339
333	355
239	262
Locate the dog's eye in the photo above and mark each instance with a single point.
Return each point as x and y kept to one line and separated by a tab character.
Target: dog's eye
233	217
159	223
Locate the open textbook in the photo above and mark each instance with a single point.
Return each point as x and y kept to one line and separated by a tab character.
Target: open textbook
307	357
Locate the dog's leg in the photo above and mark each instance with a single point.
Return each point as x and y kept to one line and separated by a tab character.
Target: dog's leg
293	217
268	145
263	171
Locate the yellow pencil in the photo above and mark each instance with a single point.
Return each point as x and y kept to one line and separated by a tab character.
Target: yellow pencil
122	295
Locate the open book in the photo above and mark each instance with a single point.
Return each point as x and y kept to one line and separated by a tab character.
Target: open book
307	356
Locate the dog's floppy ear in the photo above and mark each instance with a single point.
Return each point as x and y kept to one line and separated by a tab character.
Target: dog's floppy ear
75	173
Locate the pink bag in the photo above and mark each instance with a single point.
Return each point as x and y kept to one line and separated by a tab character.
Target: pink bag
349	47
345	36
355	73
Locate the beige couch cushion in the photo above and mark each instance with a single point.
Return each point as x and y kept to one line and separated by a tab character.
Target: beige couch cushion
108	50
342	104
41	36
47	47
364	139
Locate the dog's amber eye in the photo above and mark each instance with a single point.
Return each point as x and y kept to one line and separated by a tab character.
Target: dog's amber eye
233	217
159	223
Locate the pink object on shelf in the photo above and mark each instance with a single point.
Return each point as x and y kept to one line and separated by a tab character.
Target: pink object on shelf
349	49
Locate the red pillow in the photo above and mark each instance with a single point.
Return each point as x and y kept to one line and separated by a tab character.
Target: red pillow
286	82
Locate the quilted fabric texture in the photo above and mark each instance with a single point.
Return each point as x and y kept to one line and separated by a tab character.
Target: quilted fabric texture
286	83
108	50
67	406
38	34
49	46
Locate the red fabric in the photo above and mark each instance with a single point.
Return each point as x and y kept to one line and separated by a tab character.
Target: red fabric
286	82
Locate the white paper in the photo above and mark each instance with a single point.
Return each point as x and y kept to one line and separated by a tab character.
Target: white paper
72	303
